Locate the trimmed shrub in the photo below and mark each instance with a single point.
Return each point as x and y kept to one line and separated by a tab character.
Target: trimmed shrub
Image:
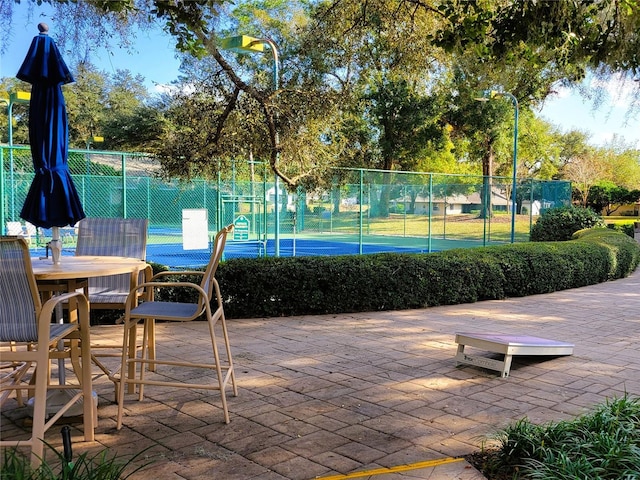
289	286
626	228
267	287
559	224
340	284
621	249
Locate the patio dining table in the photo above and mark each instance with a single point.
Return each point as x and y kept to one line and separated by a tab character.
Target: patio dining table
71	274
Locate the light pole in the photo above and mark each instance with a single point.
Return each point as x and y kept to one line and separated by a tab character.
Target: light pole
14	97
2	223
91	141
486	96
247	44
86	192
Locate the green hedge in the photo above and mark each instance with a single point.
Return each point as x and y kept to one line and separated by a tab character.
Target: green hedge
626	228
268	287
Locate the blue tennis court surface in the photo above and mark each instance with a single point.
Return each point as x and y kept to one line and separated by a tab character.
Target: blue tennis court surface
173	255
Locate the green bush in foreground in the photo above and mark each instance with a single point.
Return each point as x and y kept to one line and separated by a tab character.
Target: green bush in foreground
604	444
100	466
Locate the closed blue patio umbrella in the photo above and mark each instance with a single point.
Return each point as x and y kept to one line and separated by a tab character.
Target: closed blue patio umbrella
52	200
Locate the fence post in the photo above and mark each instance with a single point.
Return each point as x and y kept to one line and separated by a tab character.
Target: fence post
2	214
124	186
276	231
265	209
12	182
484	210
219	217
530	208
149	199
404	210
430	212
361	226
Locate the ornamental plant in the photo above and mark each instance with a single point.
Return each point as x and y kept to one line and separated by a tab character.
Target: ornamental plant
559	224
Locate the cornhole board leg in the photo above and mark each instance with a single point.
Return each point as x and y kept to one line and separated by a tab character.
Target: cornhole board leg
507	345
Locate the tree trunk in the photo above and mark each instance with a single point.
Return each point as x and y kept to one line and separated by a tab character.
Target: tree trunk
337	197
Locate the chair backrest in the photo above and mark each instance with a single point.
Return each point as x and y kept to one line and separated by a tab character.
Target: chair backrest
119	237
208	280
20	303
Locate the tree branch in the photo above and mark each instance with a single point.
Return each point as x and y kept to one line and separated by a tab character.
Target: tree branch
262	99
227	111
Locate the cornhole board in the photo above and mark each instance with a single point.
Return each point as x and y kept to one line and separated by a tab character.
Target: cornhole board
508	345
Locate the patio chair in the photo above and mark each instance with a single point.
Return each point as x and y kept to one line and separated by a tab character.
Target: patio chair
122	237
27	337
208	303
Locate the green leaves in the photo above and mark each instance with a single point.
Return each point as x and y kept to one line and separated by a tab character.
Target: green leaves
603	444
560	223
99	466
574	33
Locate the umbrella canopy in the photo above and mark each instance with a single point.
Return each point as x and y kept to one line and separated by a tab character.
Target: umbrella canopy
52	200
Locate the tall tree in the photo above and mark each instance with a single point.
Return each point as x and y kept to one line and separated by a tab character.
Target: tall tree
584	172
607	197
571	36
336	49
135	120
623	163
86	100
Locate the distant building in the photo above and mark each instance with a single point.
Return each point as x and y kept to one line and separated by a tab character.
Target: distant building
291	198
452	204
630	210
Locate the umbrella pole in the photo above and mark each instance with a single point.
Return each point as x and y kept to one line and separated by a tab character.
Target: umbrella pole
55	245
56	249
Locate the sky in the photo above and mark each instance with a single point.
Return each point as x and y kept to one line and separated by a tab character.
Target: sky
154	58
568	110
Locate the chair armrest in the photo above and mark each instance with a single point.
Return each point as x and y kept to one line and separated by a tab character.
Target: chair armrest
83	307
151	286
50	304
147	273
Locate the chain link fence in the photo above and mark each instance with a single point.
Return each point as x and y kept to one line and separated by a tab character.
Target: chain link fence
366	211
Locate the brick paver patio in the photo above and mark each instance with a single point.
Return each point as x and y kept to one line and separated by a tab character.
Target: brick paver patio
336	394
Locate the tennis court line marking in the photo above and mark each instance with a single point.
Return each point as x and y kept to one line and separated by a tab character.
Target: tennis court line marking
399	468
